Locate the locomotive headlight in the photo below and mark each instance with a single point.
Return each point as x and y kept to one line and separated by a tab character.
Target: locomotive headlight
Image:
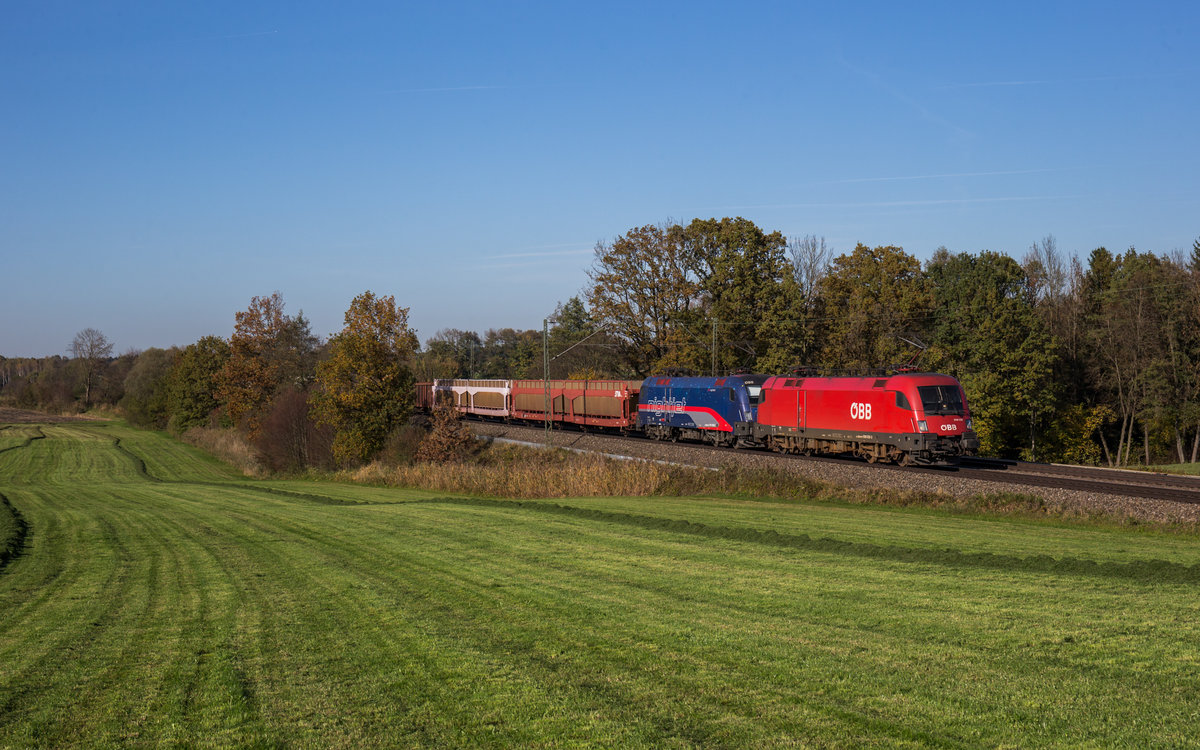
922	426
969	425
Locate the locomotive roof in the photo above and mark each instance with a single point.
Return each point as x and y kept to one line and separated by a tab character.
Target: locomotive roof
864	381
705	381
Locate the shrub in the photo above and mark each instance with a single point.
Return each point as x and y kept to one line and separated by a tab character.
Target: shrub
288	439
402	445
449	440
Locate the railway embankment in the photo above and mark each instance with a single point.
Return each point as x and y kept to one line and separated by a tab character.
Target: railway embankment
1118	500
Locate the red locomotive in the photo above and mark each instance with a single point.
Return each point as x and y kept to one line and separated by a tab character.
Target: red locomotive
905	418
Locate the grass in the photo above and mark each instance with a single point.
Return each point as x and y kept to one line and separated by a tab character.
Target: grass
16	436
160	598
517	472
1192	469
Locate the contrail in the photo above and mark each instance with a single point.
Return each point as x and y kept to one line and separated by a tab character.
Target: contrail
243	36
905	204
449	88
543	255
1049	81
947	175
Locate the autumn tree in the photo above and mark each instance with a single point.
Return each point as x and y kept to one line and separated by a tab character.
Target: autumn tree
268	349
1123	338
872	296
1193	348
1175	385
91	349
988	335
364	386
749	291
645	291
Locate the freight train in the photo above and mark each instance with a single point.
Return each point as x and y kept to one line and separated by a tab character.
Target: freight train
903	418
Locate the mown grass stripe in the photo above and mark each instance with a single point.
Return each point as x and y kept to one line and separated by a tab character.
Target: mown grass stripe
139	464
13	531
1149	571
27	441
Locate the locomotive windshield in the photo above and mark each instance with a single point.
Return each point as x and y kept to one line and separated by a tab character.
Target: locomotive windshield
941	400
753	385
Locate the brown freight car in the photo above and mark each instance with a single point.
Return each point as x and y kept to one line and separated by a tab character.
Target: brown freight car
609	404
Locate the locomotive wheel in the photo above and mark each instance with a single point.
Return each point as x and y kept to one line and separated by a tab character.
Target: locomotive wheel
905	459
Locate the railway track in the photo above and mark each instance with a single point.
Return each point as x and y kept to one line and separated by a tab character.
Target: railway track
1124	482
1120	482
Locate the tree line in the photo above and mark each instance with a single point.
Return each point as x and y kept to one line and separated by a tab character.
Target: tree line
1080	360
1093	360
299	400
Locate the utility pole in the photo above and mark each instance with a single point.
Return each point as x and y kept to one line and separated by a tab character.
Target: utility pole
546	373
714	349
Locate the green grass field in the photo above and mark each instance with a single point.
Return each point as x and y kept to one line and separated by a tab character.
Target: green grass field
1177	468
158	599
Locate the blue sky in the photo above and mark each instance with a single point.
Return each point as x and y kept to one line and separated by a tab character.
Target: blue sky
162	163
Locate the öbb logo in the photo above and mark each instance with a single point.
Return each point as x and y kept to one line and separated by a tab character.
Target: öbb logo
860	411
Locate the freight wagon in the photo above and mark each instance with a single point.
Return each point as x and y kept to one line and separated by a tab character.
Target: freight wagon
484	398
608	404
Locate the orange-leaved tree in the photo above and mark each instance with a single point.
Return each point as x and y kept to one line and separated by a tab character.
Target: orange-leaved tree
268	350
364	387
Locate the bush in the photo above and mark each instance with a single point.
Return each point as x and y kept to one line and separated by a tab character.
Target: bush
289	440
449	440
402	445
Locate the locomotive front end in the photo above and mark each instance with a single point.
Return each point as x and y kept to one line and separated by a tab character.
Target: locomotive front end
943	421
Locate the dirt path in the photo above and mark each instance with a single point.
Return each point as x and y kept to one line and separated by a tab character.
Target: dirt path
21	416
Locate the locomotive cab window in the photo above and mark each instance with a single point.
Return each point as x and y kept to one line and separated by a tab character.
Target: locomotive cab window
941	400
902	401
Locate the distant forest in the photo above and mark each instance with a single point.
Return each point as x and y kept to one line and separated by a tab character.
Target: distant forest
1090	360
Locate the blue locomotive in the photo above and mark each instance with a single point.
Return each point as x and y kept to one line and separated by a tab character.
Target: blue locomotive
721	411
